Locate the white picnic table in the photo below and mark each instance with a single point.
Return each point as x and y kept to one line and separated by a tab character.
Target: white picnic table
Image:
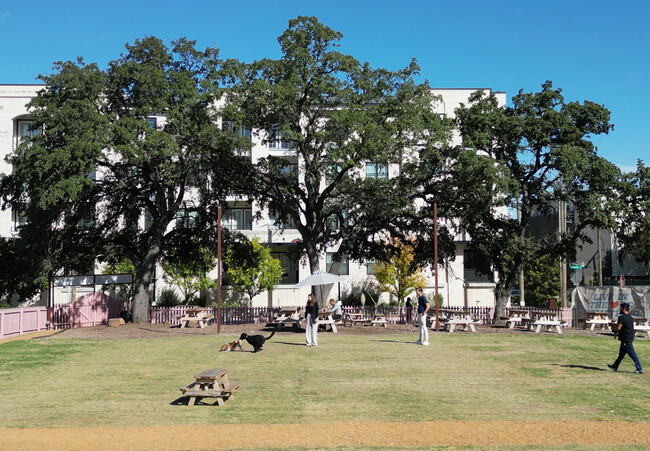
597	318
544	319
196	315
517	317
451	318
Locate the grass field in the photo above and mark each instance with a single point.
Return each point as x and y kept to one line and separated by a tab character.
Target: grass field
119	382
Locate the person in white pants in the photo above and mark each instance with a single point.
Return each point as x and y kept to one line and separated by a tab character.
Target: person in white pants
423	308
311	321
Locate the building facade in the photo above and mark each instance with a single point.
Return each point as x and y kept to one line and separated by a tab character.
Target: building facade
459	283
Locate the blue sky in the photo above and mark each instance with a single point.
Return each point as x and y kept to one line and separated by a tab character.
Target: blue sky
594	50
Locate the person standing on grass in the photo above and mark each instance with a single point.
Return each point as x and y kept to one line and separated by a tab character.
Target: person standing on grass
625	329
311	321
423	308
409	311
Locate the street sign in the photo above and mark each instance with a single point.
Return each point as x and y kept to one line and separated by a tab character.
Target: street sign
576	278
575	266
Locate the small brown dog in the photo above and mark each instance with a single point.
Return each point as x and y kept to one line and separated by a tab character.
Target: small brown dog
231	346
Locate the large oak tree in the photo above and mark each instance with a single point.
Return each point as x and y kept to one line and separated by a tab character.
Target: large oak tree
337	117
132	161
526	159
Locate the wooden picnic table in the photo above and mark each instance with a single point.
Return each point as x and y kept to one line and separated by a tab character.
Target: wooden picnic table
597	318
195	315
517	317
211	383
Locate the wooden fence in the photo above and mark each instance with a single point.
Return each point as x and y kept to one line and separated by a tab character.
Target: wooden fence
18	321
247	315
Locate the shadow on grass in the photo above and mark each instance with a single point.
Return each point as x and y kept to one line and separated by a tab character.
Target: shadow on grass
290	344
582	367
185	400
409	342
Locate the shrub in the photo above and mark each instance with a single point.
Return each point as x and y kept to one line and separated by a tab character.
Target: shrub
168	298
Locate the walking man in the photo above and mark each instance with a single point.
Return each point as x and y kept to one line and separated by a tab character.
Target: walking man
625	328
423	308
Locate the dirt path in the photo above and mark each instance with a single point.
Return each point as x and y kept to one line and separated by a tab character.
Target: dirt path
362	434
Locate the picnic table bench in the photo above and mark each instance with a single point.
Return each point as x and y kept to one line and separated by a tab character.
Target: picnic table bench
287	316
378	319
517	318
597	318
325	319
451	318
544	319
195	316
640	325
212	383
355	318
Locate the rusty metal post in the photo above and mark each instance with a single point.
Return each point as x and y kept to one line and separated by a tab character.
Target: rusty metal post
435	258
219	266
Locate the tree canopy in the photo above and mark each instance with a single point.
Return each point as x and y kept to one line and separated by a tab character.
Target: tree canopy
523	160
132	161
340	123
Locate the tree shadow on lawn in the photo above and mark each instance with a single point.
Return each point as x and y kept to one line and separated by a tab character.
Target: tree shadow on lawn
582	367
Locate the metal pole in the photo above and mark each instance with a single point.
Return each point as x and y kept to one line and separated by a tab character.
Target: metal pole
435	258
600	261
219	269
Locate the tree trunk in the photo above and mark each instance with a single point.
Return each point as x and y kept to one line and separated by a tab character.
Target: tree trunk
142	280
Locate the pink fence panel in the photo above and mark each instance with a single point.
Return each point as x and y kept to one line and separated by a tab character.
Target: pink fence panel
19	321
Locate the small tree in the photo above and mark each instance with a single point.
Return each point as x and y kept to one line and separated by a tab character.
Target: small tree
399	275
252	275
190	275
542	281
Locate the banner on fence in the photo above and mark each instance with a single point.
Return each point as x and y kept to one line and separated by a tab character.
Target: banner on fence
608	300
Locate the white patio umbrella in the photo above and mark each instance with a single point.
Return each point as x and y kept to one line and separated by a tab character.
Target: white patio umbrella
321	277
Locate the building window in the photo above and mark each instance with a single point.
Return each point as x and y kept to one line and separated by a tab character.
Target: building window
25	129
344	268
289	266
152	122
334	222
240	130
376	171
370	267
278	140
471	267
18	219
187	218
238	219
281	223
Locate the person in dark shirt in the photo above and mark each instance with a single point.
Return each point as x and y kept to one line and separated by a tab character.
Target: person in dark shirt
423	308
625	329
311	321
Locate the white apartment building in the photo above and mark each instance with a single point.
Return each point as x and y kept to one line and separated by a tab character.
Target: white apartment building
458	282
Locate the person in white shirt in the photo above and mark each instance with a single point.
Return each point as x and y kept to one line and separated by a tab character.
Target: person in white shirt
335	309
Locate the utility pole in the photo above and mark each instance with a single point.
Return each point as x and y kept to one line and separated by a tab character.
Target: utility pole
600	260
522	294
563	272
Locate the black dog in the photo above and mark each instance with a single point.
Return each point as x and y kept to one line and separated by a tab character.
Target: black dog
257	341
